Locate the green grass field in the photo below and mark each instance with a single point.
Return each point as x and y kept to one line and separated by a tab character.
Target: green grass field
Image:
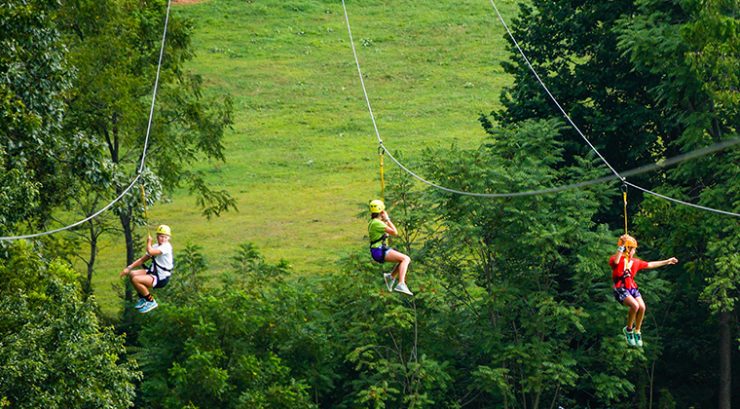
301	159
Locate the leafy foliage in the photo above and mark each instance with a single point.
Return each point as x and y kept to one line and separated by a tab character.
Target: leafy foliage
55	353
33	79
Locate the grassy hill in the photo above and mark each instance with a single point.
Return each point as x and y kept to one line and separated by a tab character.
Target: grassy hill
302	155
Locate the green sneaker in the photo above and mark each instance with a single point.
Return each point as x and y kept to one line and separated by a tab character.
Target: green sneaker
638	339
630	336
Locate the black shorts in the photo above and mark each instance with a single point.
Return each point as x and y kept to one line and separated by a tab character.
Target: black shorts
159	282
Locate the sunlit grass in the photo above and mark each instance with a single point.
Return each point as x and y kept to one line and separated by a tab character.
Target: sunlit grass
302	156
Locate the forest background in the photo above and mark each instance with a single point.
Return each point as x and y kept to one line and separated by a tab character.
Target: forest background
262	158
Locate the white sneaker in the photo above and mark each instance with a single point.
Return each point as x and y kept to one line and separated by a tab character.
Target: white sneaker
389	281
401	288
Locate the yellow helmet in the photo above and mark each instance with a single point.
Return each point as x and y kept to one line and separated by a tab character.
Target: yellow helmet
164	229
627	241
377	206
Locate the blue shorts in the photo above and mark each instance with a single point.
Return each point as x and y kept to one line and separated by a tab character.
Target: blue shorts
621	293
379	253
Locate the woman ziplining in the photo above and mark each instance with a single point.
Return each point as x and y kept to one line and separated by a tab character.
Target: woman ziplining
625	267
379	229
156	275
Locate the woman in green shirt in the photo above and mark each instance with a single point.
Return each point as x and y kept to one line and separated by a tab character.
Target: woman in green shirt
379	228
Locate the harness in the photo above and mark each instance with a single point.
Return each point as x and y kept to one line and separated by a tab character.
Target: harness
382	238
625	273
156	267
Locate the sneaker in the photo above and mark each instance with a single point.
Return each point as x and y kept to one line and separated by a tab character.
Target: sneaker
389	281
638	339
401	288
140	303
630	336
148	306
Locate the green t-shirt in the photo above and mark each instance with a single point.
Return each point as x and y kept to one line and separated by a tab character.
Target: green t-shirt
376	230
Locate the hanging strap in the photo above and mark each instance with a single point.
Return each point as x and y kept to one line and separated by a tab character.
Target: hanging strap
622	277
624	196
381	154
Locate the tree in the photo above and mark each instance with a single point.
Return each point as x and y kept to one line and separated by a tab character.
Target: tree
33	80
115	48
694	47
523	274
55	352
572	46
235	346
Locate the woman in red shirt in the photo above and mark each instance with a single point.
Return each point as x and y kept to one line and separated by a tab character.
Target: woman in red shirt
624	268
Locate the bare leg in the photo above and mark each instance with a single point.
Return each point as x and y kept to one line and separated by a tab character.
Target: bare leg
403	264
142	282
640	313
394	272
633	307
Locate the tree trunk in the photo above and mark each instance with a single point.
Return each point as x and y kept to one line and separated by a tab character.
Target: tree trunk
725	356
91	259
128	233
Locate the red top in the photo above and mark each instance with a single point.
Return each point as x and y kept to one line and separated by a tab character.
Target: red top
618	271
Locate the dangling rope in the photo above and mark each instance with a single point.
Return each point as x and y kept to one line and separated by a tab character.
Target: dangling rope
381	153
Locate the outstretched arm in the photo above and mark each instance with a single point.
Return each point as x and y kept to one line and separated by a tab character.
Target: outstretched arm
661	263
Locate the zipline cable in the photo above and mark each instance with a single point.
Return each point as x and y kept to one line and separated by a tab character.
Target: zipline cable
156	86
642	169
578	130
143	155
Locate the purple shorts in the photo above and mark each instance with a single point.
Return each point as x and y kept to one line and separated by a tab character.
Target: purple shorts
621	293
379	253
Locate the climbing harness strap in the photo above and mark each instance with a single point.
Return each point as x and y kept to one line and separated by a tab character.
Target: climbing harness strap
157	266
382	238
381	154
626	272
624	196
